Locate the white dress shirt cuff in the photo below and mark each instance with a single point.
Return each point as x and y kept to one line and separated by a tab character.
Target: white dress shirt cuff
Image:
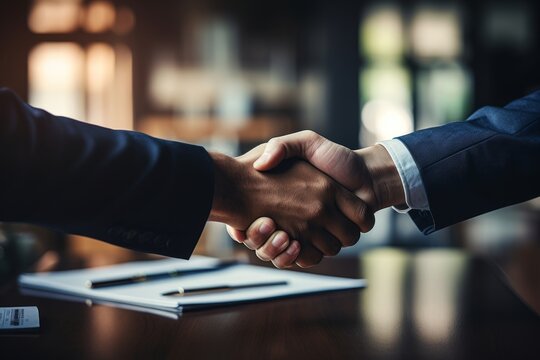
415	193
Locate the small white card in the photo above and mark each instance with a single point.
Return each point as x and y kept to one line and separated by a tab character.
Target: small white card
19	318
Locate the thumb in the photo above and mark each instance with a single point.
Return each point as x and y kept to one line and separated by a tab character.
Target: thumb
285	147
274	153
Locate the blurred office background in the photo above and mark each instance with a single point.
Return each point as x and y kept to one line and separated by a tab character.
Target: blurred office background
232	74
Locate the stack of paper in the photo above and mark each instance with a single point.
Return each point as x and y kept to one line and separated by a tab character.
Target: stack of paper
151	294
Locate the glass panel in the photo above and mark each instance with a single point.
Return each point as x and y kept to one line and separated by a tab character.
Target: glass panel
381	33
54	16
444	95
56	75
436	33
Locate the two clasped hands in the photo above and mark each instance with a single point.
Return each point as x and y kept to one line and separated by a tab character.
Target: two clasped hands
310	197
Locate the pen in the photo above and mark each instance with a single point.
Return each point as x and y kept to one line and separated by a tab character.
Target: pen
219	288
95	284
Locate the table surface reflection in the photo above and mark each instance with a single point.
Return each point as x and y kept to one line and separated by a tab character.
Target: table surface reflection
429	304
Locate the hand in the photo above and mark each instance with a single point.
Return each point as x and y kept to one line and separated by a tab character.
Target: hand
305	203
370	172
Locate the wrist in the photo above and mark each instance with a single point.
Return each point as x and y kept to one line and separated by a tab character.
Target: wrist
225	178
386	182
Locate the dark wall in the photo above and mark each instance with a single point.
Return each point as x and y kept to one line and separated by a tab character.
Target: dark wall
14	45
323	32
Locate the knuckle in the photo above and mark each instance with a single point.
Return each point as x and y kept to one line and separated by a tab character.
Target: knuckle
360	212
273	142
351	240
364	217
300	230
276	144
262	255
313	260
370	221
280	264
303	263
236	235
317	211
310	134
326	185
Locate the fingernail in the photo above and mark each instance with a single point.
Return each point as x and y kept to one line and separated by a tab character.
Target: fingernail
293	248
265	228
279	240
262	159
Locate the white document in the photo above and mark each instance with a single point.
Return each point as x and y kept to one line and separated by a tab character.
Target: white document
174	314
150	293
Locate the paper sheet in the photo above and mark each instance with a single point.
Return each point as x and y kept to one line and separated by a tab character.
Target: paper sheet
149	294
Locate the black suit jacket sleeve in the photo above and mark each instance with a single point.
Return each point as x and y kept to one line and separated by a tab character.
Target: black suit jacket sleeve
122	187
468	168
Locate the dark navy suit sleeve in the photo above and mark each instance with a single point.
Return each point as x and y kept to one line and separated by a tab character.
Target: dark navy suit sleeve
121	187
468	168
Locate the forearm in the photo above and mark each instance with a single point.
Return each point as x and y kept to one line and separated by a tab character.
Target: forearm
471	167
119	186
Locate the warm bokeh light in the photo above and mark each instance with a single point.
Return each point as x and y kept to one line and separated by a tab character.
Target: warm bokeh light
436	33
109	82
100	79
100	16
100	69
54	16
125	20
56	77
93	85
123	88
65	16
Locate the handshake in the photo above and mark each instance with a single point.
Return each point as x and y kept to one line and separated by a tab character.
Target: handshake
300	197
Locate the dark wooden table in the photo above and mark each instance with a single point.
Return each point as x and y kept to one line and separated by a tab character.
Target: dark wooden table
430	304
